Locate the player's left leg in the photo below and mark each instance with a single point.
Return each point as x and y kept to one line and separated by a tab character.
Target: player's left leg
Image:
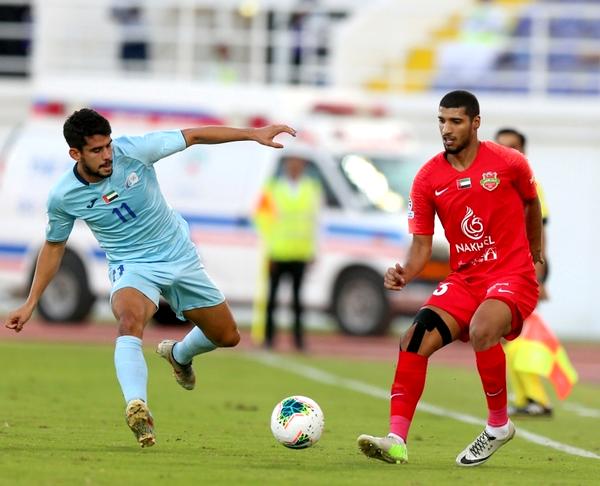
194	297
491	321
217	325
214	327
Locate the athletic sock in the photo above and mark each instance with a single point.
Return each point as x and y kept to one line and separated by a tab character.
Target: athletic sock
132	371
407	389
391	435
194	343
498	432
491	365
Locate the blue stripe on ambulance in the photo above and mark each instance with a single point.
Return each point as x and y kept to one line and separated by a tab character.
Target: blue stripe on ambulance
8	250
352	232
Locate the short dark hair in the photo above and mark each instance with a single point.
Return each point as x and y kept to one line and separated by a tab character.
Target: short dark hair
84	123
512	131
461	99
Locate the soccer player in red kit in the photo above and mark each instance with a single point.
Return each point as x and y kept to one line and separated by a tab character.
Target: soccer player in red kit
485	196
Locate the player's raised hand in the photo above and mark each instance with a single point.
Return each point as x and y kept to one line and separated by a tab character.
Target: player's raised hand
265	135
394	278
18	318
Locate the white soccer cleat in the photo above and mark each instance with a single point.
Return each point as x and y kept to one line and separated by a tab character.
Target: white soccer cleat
140	421
482	448
387	449
184	374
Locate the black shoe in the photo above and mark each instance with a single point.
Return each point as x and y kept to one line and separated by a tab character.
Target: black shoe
532	409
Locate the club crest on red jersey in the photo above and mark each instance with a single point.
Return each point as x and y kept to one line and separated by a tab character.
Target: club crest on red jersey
489	181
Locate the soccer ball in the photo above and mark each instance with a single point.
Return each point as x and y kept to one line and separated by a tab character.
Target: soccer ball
297	422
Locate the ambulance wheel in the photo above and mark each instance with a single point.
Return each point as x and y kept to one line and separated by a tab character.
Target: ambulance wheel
68	297
360	305
166	317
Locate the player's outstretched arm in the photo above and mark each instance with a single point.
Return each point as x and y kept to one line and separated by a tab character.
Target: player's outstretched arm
47	265
398	276
214	135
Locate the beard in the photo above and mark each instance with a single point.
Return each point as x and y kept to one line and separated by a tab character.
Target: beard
456	149
96	173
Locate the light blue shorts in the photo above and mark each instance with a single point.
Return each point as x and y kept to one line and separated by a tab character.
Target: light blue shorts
184	284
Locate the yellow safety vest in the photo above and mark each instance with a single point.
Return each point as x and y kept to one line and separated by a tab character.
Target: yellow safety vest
287	219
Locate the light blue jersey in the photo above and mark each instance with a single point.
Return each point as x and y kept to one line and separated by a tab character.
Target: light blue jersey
126	212
147	243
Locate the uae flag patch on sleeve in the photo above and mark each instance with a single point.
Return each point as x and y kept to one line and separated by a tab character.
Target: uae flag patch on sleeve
111	196
464	183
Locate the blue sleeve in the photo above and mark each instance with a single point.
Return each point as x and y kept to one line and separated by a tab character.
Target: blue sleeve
60	223
153	146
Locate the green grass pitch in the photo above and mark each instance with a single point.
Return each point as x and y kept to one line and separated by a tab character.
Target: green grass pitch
62	423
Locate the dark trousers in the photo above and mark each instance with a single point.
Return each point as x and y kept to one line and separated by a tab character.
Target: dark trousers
277	270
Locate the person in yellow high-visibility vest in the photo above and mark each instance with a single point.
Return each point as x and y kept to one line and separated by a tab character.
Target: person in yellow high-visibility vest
536	352
287	220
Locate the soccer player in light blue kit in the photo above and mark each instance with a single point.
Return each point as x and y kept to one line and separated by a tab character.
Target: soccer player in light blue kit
113	188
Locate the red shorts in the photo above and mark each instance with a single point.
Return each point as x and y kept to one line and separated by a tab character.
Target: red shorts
461	298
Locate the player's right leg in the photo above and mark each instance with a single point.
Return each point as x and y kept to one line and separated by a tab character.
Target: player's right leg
140	421
433	329
133	310
390	449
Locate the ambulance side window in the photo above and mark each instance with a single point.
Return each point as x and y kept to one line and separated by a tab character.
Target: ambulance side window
312	170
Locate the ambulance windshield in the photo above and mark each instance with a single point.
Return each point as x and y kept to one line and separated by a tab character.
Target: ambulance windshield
383	181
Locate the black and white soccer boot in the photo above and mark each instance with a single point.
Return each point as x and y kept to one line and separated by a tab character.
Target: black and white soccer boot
482	448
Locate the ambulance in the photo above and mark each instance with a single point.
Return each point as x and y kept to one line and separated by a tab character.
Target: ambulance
365	167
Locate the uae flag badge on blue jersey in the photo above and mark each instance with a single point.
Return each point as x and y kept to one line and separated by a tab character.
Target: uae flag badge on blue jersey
111	196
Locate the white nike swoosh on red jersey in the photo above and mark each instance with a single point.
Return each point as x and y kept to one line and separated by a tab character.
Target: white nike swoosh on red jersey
504	291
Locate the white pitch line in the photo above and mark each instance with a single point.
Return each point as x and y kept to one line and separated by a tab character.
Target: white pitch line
581	410
321	376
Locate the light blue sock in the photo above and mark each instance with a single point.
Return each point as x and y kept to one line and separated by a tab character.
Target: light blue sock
132	371
194	343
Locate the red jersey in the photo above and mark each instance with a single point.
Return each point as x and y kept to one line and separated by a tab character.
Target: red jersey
481	210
